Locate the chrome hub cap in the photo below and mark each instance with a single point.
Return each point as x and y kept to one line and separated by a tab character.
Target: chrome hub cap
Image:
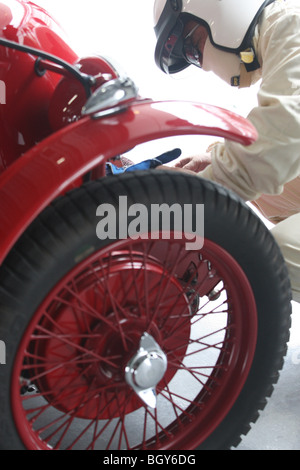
146	369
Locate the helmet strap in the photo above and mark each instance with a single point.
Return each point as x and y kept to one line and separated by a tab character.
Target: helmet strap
249	59
248	78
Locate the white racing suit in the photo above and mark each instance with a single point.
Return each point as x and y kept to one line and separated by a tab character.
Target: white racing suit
268	171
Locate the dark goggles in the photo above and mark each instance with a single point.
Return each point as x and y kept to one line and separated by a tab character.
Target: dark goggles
191	53
178	51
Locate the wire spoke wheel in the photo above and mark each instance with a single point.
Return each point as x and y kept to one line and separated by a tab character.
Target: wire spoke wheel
140	343
71	362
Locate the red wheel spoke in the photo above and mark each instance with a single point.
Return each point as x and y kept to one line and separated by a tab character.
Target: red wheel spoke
76	347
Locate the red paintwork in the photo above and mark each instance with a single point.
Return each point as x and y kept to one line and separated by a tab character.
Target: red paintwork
69	96
51	167
24	116
37	122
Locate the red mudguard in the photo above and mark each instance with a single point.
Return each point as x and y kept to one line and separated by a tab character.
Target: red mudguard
51	167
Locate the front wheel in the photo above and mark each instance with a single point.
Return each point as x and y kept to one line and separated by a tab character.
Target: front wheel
139	342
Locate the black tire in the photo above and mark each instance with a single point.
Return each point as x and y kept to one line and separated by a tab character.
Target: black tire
64	236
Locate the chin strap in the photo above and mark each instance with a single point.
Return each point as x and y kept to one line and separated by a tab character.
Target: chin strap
249	63
249	59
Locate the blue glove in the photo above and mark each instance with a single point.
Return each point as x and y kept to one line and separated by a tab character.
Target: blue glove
146	164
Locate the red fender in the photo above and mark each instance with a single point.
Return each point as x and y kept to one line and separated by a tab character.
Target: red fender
48	169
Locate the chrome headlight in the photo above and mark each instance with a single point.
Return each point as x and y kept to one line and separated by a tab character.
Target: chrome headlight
111	97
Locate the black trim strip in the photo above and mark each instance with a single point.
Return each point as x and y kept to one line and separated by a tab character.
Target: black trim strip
85	80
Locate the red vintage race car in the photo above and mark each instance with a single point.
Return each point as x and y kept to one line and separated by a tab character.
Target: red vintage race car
143	310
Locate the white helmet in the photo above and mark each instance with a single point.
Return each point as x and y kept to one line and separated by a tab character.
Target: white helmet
230	25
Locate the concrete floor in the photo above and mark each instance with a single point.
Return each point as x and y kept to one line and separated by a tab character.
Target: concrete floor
278	427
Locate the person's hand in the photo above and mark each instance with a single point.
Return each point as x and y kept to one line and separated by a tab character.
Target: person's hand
195	164
173	168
